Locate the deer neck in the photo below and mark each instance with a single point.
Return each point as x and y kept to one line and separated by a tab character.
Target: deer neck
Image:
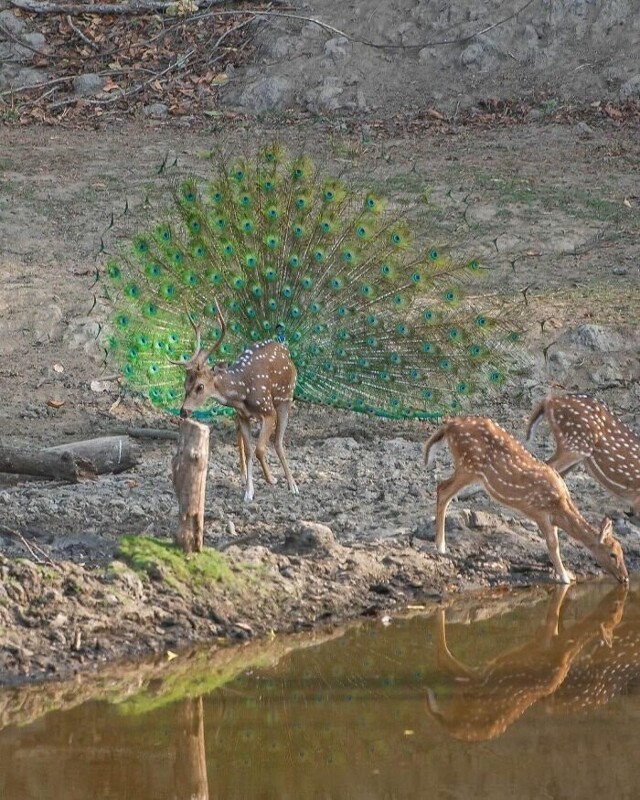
229	387
567	517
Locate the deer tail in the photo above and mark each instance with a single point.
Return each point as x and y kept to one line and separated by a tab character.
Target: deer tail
535	418
434	443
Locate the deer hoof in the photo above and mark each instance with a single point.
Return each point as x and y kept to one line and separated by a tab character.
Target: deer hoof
294	489
248	497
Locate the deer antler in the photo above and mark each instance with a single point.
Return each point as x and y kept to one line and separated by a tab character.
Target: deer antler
200	353
223	326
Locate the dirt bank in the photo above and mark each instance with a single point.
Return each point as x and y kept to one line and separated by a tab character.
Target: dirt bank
567	230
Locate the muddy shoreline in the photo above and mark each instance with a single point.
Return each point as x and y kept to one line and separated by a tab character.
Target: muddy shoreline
115	594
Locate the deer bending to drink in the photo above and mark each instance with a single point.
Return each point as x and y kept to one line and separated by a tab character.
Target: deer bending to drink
485	453
259	385
587	432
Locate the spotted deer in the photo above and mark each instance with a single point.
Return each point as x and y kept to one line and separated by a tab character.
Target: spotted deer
476	704
587	432
485	453
259	386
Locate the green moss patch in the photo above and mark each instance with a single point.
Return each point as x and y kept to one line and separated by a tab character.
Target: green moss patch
160	559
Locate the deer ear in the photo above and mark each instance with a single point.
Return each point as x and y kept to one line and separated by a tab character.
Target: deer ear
606	530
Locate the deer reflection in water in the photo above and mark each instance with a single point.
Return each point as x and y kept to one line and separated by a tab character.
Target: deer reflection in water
603	670
480	703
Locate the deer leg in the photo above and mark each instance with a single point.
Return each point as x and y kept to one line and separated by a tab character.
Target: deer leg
445	658
266	430
282	418
241	451
551	627
445	492
432	704
244	426
550	533
564	460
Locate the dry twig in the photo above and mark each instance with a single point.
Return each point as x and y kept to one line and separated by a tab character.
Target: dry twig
76	9
33	550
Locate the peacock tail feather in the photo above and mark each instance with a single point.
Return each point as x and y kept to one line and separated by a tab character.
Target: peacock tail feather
373	322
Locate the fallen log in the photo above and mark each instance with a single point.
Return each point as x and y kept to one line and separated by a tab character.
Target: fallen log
153	433
189	473
74	461
105	453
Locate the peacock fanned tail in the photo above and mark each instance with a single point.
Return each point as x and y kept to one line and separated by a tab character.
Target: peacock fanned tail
373	322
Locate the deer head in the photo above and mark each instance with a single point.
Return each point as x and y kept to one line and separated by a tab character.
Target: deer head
200	378
607	551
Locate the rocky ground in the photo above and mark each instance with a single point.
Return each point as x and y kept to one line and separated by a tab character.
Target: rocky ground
549	199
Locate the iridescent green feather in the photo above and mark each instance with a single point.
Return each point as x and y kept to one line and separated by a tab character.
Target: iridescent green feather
374	322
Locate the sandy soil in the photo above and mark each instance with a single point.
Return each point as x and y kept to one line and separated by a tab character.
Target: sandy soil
551	203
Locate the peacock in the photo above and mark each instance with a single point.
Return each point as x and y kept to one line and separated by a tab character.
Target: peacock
374	321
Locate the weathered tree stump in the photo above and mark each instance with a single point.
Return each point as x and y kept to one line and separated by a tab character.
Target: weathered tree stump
73	461
189	473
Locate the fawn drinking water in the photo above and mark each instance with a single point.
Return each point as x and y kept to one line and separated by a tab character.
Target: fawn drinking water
485	453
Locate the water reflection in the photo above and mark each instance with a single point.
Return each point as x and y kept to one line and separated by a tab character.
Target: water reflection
480	703
373	712
190	764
